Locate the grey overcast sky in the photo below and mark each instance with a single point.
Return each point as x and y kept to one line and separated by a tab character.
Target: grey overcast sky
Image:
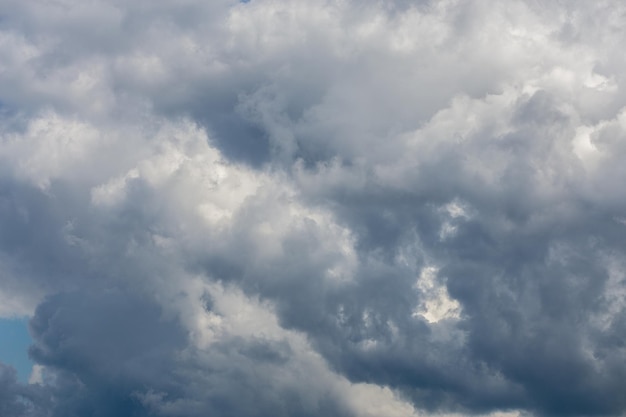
351	208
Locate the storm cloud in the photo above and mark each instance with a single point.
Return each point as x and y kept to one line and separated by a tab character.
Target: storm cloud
307	208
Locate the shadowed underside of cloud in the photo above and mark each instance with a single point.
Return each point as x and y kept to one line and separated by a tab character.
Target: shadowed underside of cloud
314	208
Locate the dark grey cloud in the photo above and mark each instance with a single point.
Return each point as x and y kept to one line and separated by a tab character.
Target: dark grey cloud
314	208
19	400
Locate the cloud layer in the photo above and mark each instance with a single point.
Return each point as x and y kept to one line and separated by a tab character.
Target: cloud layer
373	208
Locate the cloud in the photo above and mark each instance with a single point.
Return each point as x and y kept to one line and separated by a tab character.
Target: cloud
304	208
17	400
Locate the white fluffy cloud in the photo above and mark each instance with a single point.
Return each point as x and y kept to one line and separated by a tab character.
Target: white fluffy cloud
314	207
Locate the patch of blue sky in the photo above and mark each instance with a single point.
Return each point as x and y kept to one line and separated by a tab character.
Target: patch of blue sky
14	343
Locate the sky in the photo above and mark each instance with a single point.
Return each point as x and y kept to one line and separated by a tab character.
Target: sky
14	343
373	208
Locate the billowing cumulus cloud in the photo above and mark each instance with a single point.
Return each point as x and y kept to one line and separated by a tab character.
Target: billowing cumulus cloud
373	208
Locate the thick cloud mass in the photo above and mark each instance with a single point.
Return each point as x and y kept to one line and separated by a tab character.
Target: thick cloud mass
314	208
